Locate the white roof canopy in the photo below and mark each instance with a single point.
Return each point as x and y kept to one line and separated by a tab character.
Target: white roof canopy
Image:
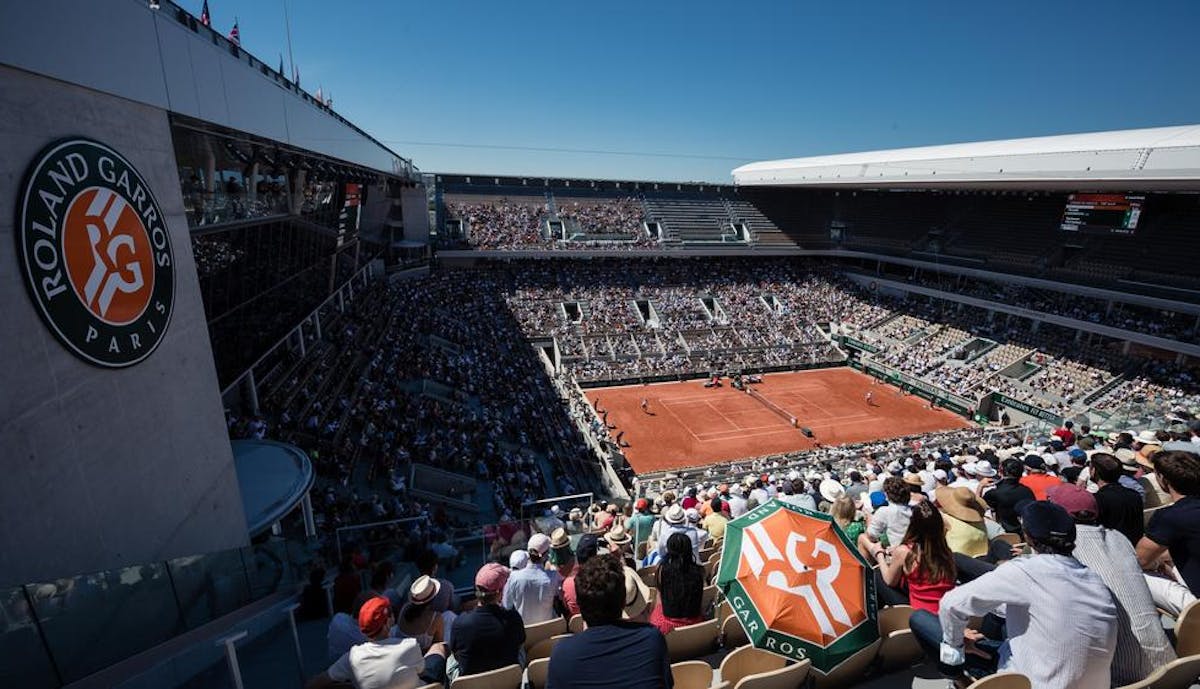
1150	159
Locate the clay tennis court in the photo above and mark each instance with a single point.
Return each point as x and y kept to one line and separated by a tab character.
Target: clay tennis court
690	425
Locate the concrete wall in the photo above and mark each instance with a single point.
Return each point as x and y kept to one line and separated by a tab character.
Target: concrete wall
104	467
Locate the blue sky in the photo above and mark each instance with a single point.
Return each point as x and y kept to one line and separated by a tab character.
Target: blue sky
705	86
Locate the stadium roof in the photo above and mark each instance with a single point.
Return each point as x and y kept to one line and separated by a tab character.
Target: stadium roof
1134	159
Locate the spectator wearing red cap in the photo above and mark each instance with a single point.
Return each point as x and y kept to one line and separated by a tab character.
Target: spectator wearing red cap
641	522
488	637
1142	646
382	662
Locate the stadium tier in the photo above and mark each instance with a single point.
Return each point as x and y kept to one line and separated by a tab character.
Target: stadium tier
278	406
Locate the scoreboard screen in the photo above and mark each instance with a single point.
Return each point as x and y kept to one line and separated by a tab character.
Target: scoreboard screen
1102	213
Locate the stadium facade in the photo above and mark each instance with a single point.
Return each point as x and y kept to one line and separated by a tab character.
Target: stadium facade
181	152
179	220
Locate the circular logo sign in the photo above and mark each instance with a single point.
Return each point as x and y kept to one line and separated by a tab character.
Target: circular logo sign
95	252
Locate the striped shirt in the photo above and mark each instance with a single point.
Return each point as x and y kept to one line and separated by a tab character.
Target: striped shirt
1142	645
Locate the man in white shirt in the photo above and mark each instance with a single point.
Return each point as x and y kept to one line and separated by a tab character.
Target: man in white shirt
381	662
1061	620
737	503
532	589
891	519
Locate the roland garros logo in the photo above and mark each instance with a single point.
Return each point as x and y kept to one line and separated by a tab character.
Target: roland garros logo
96	256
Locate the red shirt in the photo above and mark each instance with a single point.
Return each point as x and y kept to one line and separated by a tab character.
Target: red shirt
926	595
1039	483
1067	436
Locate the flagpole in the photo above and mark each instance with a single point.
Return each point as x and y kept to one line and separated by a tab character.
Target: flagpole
287	23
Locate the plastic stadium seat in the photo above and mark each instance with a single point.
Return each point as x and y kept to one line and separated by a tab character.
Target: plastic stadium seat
1177	674
537	672
747	661
898	647
724	610
435	685
537	633
706	553
1187	631
576	624
788	677
508	677
543	648
649	575
707	598
733	634
850	672
1002	680
692	674
692	641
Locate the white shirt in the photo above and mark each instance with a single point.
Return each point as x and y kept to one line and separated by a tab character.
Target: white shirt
343	634
737	506
892	519
1061	620
384	664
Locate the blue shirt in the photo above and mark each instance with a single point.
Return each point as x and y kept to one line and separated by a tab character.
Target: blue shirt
625	655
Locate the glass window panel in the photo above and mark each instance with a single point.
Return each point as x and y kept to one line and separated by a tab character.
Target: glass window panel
95	620
209	586
23	659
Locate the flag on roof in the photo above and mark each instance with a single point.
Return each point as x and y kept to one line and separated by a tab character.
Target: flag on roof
320	98
234	34
281	63
296	74
205	17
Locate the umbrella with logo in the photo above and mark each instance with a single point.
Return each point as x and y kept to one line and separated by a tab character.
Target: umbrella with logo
798	585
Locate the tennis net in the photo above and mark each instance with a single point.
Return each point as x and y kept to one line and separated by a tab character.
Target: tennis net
772	406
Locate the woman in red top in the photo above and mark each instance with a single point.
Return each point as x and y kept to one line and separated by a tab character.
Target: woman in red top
922	562
680	587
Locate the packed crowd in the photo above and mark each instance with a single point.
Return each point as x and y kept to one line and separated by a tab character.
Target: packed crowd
1161	323
1050	557
522	223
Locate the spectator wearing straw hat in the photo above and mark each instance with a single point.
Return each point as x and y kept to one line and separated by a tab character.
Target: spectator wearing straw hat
963	513
561	558
489	636
675	521
531	591
617	649
1142	646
